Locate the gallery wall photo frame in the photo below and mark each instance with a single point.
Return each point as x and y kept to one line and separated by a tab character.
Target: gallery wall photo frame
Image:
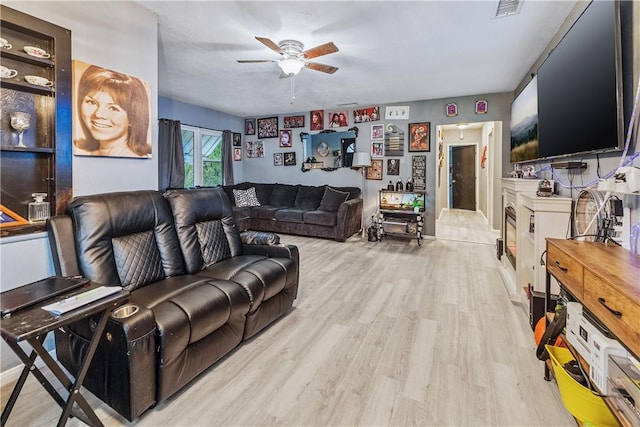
290	158
419	136
237	140
374	172
286	138
377	131
393	166
369	114
278	159
451	109
377	148
419	172
316	120
237	154
255	149
338	119
293	122
482	106
249	126
268	127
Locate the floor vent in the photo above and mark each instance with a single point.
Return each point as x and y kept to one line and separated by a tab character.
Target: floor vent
508	7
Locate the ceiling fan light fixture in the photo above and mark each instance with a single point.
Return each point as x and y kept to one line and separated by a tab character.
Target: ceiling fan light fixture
291	66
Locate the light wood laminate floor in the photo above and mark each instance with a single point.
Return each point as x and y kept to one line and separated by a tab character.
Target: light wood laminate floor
465	226
382	334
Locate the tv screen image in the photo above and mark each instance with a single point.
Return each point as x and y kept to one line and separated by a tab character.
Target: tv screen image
524	124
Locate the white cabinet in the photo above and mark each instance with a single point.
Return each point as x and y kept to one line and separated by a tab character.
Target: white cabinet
537	219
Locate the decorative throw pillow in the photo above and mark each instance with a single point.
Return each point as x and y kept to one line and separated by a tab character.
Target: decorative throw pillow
246	197
332	199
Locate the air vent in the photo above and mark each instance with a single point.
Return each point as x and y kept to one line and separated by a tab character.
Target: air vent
508	7
348	104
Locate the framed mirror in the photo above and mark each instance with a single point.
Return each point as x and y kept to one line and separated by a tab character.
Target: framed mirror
329	150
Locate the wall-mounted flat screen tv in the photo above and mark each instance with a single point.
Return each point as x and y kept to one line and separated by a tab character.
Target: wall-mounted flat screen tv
583	87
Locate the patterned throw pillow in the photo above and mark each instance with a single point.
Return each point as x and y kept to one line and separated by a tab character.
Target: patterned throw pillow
246	197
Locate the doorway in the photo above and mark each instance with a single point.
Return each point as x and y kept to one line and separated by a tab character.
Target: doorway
462	177
470	217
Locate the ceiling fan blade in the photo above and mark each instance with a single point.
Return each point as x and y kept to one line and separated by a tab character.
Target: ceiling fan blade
329	69
323	49
249	61
270	44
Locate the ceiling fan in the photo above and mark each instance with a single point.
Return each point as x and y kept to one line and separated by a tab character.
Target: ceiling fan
294	57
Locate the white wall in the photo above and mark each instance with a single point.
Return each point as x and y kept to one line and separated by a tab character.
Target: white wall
120	36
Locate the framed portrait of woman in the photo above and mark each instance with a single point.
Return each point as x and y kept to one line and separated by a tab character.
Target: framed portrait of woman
249	126
111	114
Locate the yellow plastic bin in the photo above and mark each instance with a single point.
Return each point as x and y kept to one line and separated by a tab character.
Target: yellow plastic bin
579	400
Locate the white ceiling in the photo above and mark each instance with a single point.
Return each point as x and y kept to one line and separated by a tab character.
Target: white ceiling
390	51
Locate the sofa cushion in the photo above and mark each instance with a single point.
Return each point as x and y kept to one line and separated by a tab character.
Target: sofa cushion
206	228
125	238
241	213
264	192
309	197
283	195
264	212
328	219
290	215
354	192
332	199
246	197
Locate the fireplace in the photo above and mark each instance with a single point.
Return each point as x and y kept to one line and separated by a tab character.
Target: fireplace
510	234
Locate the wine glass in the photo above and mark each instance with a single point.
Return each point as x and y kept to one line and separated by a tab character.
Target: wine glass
20	122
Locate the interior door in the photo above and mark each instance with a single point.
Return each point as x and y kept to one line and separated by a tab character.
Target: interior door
463	177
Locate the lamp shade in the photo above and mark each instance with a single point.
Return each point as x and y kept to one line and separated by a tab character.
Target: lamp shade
361	160
291	66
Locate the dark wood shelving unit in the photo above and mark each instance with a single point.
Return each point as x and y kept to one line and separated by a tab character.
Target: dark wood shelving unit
44	166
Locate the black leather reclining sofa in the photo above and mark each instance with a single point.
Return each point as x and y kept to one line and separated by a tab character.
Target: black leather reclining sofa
306	210
200	291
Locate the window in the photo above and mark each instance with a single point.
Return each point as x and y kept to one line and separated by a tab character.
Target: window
202	156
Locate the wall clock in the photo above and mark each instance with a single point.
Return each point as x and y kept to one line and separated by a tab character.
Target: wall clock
323	149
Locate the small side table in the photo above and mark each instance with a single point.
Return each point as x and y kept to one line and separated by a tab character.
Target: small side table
33	324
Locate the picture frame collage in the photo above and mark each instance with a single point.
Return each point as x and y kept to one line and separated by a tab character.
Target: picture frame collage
419	138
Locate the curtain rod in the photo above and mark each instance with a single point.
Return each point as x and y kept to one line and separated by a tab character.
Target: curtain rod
201	127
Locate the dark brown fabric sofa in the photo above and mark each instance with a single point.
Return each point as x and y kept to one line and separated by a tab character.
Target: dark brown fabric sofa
200	291
305	210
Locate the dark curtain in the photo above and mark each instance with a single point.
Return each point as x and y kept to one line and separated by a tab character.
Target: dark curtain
227	158
170	155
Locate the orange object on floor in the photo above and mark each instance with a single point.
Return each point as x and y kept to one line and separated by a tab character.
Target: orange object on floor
539	330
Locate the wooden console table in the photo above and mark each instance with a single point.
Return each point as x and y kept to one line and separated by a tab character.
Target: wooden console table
32	324
605	279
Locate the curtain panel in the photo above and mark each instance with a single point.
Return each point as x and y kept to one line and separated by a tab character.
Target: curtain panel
170	155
